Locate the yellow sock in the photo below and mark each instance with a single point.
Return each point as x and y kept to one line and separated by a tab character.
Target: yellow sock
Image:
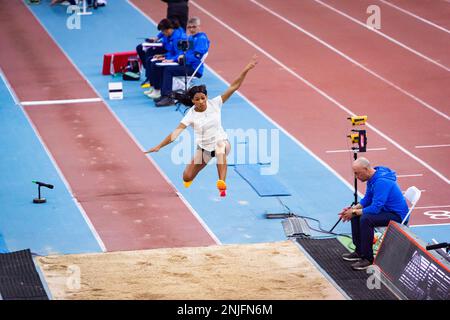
187	184
221	185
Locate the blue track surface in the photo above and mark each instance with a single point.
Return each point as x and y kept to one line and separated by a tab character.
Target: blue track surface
56	227
239	218
440	233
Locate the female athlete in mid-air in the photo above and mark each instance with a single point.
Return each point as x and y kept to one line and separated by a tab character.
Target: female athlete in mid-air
210	137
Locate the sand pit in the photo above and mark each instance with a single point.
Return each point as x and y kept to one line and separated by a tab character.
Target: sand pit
257	271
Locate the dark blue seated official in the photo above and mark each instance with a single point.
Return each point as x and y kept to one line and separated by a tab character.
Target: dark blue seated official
161	77
169	36
383	202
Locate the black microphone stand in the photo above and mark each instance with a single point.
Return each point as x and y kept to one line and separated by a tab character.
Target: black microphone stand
362	147
184	48
355	193
183	45
185	71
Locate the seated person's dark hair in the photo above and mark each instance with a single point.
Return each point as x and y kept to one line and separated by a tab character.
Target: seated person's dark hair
165	24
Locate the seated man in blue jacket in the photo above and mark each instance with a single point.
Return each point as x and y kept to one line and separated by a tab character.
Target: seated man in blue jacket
161	80
170	34
382	203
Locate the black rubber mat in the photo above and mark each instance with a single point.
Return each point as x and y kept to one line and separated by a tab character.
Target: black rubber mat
19	279
327	254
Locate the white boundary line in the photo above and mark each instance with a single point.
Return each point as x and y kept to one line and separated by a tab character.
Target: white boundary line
433	207
415	16
322	93
409	175
430	225
362	66
404	46
67	101
213	236
346	150
58	170
433	146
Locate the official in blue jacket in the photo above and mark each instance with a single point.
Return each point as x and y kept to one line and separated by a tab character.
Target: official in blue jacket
169	36
383	202
161	80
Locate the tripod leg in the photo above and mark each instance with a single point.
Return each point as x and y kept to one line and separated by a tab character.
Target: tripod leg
331	230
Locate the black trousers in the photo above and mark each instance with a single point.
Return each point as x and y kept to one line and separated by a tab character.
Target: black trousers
363	231
180	11
147	55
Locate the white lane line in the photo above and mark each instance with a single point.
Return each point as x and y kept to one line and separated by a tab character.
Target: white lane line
346	150
430	225
433	146
190	208
58	170
421	190
10	89
362	66
66	101
404	46
409	175
321	92
415	16
433	207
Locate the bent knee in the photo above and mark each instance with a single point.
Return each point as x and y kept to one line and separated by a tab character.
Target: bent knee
187	177
222	147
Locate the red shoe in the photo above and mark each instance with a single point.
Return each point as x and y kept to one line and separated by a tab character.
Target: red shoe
222	186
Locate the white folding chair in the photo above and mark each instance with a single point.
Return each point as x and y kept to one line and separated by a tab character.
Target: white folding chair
412	194
178	82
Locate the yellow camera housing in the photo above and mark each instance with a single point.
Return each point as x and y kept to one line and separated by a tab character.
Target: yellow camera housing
358	120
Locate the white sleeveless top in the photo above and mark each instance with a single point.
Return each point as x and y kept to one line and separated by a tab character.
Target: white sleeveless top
207	124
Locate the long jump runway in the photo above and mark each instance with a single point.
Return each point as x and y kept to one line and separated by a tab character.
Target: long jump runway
113	182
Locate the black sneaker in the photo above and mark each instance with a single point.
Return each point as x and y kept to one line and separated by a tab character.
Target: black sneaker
351	256
363	264
165	102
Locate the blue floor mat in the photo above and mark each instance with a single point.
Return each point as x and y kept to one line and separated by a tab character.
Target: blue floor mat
264	185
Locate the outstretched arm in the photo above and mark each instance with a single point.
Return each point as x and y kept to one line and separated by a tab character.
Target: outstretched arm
169	139
237	83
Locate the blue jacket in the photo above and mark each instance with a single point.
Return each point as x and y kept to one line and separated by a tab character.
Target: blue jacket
198	46
171	43
384	194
